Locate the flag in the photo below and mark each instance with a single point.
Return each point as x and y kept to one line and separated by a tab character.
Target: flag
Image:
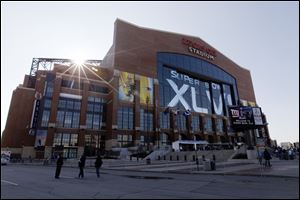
187	113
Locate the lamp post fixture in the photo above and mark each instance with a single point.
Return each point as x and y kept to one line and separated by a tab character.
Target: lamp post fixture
196	149
147	102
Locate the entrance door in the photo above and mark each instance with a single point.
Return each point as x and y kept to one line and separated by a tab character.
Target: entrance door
94	144
164	140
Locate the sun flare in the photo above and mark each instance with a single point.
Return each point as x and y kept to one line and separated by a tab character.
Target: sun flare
79	61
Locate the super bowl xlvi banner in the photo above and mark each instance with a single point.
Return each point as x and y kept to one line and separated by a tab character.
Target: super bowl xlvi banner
181	90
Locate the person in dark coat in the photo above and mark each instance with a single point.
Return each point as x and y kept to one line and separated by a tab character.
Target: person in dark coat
267	157
59	164
81	165
98	164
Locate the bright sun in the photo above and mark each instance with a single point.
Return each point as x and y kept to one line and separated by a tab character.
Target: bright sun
79	61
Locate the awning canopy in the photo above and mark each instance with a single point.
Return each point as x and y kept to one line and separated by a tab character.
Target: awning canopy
191	142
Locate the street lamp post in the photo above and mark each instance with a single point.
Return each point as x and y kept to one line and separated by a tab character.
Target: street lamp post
196	149
147	102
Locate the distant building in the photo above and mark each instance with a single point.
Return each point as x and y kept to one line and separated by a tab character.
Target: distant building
286	145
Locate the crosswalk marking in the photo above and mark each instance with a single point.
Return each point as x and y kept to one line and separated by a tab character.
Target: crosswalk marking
9	182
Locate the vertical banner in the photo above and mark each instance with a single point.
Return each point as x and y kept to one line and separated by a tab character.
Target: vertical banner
146	90
126	86
257	116
40	138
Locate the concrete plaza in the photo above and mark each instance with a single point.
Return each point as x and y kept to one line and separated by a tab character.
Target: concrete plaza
231	182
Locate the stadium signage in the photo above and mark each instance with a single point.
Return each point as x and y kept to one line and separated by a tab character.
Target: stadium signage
199	49
190	86
245	116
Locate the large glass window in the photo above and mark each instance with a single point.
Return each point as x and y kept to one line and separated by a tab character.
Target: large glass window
125	118
65	139
57	139
164	120
124	140
208	124
45	118
68	120
219	125
195	123
181	122
96	111
47	103
73	140
76	118
70	105
60	118
68	114
62	103
49	89
142	140
164	139
146	120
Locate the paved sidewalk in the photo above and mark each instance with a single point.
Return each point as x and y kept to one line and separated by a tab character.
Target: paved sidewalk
280	168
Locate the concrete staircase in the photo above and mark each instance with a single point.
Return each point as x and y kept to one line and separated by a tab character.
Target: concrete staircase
158	154
221	155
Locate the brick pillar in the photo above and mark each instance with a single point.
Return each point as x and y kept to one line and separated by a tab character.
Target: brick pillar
136	110
54	105
82	122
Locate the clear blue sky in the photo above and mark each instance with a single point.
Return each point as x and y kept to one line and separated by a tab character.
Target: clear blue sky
260	36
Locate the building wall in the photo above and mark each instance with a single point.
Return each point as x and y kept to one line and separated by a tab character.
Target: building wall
16	132
135	51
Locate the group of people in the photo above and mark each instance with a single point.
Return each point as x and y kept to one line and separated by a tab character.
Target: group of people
286	154
81	165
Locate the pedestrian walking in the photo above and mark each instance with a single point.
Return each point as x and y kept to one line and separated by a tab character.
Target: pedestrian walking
81	165
98	164
267	157
59	164
259	157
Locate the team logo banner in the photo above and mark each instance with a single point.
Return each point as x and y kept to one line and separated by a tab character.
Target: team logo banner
126	86
245	116
146	90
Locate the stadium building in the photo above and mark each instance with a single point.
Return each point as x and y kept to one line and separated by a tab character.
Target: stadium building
151	89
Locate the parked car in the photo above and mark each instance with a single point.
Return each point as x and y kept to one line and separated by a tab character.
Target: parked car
5	157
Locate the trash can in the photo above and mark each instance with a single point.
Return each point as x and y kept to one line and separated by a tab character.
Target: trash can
148	160
207	165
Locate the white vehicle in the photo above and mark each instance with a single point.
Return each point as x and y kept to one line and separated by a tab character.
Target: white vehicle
5	157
